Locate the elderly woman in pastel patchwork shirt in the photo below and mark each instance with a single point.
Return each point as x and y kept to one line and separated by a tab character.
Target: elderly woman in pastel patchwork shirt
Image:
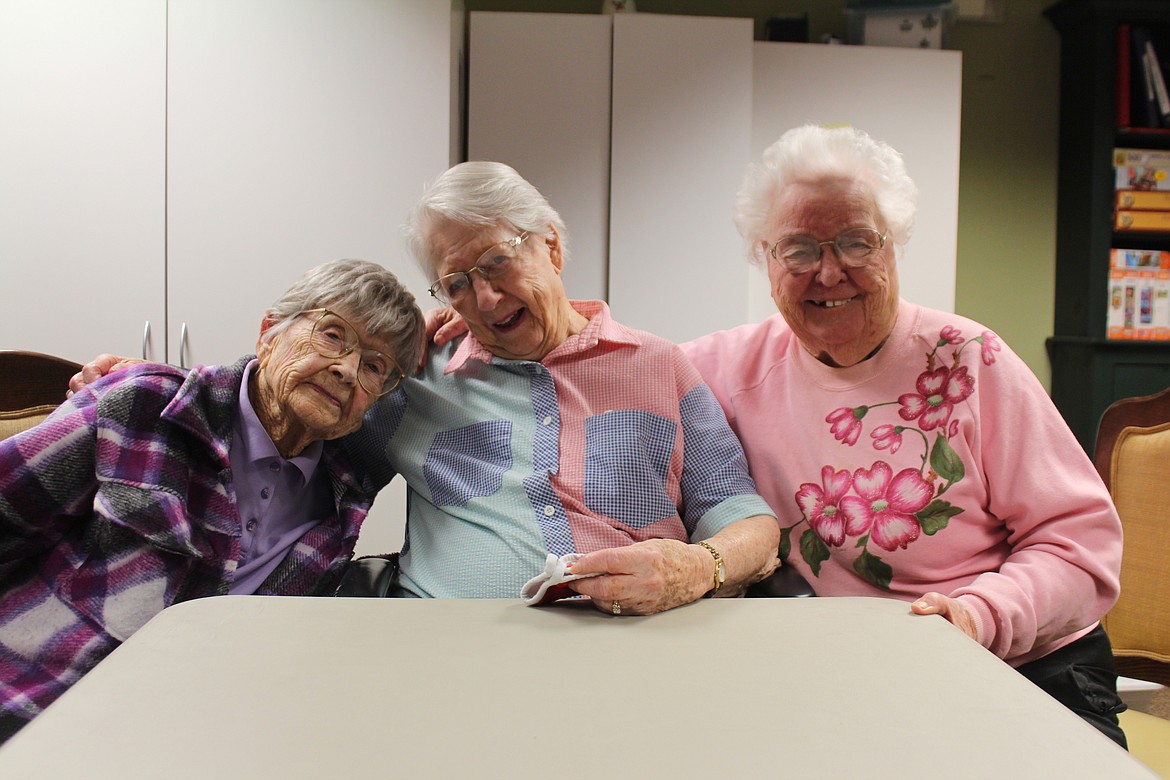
552	429
155	485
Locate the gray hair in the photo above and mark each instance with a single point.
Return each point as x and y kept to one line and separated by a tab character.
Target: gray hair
479	193
371	297
812	153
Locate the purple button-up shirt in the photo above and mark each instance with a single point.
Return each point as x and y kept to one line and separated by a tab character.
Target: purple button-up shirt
279	500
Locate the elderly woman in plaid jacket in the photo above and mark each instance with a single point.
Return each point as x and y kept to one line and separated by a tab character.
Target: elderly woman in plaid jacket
155	485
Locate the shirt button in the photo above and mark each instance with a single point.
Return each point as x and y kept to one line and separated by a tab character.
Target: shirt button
274	466
548	420
549	511
252	524
265	493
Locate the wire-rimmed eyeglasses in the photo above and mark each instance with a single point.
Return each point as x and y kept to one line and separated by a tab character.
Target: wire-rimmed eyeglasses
856	248
333	337
497	261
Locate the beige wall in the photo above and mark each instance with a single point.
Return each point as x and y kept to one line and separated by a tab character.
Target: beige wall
1007	191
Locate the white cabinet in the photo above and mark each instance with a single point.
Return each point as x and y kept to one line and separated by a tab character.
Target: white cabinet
82	176
682	110
180	163
687	103
547	114
298	131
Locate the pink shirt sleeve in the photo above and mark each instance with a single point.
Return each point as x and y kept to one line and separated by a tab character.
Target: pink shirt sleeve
1061	573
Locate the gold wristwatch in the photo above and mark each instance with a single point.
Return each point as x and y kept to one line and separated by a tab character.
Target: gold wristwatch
719	572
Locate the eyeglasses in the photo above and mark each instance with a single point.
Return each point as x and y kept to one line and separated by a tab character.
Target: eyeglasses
856	248
495	263
334	338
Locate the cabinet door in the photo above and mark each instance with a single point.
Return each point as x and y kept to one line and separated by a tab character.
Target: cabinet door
299	131
547	115
82	230
682	111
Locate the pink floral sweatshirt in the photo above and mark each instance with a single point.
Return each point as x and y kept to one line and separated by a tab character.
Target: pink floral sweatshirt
939	464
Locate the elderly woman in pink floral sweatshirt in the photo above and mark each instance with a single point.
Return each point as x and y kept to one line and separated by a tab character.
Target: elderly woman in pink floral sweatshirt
909	453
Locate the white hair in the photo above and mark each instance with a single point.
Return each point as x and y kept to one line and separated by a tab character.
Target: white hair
479	193
812	153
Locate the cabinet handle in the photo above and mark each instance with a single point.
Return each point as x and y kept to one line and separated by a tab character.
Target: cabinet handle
145	339
182	345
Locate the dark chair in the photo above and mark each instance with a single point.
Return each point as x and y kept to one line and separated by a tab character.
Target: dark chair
370	576
1133	458
31	386
784	583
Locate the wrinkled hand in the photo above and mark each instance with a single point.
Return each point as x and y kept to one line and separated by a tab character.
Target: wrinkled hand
938	604
443	325
647	577
97	368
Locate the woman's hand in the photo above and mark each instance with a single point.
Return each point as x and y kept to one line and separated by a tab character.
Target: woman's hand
938	604
645	578
97	368
442	325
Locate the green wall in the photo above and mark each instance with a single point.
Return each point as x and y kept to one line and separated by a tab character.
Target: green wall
1007	190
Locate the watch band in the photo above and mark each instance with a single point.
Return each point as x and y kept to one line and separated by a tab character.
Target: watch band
719	570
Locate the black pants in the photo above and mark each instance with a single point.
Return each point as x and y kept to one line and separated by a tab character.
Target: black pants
1081	676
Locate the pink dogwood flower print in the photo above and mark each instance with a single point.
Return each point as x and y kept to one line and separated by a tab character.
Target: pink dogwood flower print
950	335
886	505
938	392
887	437
820	504
845	423
893	510
989	345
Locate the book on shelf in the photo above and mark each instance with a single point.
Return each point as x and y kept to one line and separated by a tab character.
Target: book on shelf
1123	84
1156	221
1139	295
1147	200
1146	99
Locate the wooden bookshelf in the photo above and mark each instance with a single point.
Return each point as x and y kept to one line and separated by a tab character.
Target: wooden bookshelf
1090	371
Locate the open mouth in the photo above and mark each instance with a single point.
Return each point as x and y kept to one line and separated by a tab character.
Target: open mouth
510	321
831	304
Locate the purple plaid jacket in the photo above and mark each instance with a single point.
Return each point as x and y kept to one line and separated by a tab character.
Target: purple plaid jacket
120	504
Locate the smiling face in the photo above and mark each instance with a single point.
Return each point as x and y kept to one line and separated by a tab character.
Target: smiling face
520	315
839	314
301	396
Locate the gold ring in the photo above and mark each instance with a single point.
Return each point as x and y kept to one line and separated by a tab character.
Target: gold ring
616	608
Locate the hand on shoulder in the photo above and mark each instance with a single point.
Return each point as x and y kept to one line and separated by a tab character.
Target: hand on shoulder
97	368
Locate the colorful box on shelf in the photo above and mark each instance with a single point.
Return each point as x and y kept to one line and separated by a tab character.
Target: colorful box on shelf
1139	295
1139	258
1141	169
904	24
